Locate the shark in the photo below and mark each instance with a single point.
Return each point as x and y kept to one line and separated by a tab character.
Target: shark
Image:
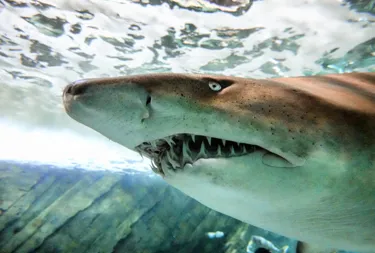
292	155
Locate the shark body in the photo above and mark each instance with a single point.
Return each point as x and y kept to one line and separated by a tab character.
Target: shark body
295	156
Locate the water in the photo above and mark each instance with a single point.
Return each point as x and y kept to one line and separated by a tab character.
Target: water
44	45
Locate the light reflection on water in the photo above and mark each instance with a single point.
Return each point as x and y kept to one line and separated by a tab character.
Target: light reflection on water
46	44
65	149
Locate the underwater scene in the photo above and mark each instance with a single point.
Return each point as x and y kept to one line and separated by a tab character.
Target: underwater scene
77	175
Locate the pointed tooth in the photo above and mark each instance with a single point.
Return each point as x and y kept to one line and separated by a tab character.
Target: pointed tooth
154	167
184	150
193	137
232	152
219	151
173	155
168	141
244	151
202	151
153	144
224	141
175	164
138	150
165	165
171	161
171	142
209	140
186	153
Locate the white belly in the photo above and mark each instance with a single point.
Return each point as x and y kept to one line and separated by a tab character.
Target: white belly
293	202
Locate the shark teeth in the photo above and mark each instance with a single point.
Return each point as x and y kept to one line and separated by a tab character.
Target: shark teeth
244	150
186	154
170	142
219	151
172	161
174	152
202	151
209	140
193	137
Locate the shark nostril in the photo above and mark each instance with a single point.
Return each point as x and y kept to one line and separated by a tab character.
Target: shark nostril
75	89
68	89
148	100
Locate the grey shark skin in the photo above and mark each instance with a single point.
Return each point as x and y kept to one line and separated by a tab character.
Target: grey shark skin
311	173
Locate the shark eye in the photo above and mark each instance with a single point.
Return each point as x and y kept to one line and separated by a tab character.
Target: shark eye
214	86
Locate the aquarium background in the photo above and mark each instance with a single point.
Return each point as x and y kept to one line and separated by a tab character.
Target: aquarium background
65	188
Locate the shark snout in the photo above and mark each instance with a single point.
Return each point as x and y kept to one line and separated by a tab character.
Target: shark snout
75	88
119	101
72	91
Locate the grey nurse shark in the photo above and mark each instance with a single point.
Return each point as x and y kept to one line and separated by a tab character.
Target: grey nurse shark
295	156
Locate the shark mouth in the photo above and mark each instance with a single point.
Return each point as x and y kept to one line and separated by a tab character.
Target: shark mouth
175	151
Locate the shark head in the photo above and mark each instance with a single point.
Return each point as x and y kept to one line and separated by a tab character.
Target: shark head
176	119
248	148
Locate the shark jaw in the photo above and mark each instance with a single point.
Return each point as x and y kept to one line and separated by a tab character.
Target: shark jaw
176	151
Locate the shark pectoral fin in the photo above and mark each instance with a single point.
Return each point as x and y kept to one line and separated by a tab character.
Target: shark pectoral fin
274	160
303	247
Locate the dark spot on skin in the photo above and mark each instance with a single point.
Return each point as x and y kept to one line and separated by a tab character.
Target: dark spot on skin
16	230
